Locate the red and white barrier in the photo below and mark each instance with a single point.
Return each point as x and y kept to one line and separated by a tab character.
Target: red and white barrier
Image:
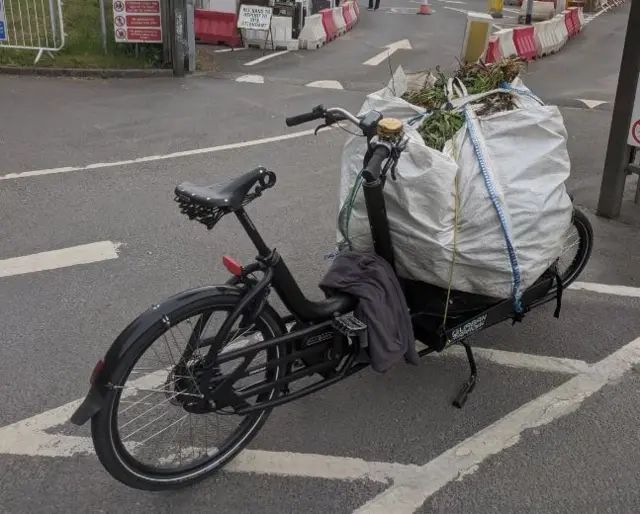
524	39
493	54
338	21
312	36
216	28
546	40
505	39
572	30
349	21
560	29
575	16
329	26
318	29
581	18
354	12
356	8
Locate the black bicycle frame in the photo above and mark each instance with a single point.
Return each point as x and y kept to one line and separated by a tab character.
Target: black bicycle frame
286	286
323	315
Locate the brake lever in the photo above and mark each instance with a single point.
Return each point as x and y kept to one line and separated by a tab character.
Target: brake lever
318	128
329	119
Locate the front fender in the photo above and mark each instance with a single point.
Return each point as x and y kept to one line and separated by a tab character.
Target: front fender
149	319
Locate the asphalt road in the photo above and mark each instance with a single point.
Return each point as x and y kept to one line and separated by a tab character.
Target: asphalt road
57	323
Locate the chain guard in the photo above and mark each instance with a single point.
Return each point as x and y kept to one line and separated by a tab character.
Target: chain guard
335	352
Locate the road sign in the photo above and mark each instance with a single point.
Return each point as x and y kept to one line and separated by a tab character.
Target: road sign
254	17
137	21
634	132
3	22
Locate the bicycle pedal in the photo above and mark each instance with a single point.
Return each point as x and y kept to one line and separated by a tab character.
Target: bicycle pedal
349	325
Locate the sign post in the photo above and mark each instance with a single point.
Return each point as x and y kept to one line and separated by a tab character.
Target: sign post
529	12
634	129
178	43
256	17
621	134
3	22
137	21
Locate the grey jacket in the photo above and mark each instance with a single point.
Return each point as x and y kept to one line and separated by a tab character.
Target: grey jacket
382	305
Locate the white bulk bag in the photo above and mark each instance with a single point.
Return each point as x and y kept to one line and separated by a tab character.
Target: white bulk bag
526	163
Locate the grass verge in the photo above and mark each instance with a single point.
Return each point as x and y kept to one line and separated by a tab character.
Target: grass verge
26	22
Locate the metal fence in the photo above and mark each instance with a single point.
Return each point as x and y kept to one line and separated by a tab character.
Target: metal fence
32	25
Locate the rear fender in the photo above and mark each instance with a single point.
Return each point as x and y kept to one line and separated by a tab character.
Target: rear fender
148	320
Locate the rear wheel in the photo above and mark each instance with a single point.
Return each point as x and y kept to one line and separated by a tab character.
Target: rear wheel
149	435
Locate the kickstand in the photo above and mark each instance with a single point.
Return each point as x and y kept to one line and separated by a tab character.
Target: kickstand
469	384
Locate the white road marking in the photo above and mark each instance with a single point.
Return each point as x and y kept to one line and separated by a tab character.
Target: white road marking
391	48
326	84
497	27
523	360
151	158
633	292
224	50
253	79
265	58
456	9
591	103
54	259
317	466
407	495
512	11
412	484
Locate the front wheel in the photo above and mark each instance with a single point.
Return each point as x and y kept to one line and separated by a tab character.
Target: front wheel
148	435
576	251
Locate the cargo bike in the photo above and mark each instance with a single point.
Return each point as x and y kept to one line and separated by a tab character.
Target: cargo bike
257	359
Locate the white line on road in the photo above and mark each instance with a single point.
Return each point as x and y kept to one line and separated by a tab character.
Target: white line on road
42	444
151	158
252	79
224	50
406	496
265	58
456	9
73	256
512	11
633	292
524	360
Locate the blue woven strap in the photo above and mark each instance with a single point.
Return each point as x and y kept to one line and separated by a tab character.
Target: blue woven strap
523	92
513	259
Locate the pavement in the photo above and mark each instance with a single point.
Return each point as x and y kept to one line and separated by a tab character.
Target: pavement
551	426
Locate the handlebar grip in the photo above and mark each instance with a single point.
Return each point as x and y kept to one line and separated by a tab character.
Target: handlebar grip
316	114
373	168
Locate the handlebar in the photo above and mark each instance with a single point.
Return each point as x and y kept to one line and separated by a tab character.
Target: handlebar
317	113
330	115
368	123
373	167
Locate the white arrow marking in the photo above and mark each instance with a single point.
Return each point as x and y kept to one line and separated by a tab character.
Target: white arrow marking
326	84
390	49
591	103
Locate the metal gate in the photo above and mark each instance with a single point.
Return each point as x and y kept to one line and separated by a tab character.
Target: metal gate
31	25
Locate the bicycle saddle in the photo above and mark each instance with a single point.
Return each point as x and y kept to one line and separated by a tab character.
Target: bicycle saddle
230	194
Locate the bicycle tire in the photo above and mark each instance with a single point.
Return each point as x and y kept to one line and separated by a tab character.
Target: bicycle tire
585	247
109	447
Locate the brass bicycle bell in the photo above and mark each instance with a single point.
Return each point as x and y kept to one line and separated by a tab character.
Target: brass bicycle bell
390	129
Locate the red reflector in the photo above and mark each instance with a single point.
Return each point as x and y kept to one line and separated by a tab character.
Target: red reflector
96	371
232	266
